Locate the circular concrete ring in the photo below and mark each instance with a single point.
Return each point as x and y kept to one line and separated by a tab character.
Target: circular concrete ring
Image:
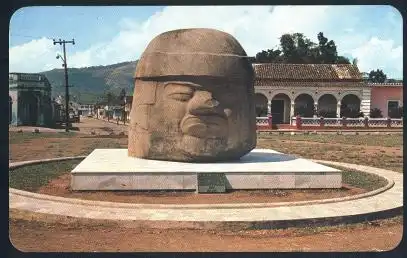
381	203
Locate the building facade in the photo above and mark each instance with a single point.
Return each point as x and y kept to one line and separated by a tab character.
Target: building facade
86	109
329	90
30	100
387	97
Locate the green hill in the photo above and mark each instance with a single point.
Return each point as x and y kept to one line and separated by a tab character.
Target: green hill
91	83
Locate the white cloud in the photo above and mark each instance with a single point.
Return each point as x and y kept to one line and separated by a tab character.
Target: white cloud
380	54
256	28
32	56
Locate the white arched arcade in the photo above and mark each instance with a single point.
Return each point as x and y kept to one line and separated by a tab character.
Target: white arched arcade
285	103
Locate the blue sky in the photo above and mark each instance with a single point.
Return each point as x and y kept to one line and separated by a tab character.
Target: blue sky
106	35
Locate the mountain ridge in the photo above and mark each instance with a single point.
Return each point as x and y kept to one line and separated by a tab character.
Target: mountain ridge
91	84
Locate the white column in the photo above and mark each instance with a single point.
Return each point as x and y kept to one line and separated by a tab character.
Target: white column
365	102
268	107
316	109
292	109
338	109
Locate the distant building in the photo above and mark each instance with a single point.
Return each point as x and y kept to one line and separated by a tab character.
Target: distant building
388	97
329	90
30	100
86	109
74	108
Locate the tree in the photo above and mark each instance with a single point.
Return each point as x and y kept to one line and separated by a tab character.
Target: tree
376	113
122	95
298	49
342	60
268	56
110	98
122	99
327	50
377	76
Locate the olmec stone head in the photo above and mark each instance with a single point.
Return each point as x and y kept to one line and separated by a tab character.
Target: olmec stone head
193	99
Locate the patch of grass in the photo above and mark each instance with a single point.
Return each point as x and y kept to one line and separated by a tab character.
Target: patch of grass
101	144
360	179
32	177
16	137
345	153
367	140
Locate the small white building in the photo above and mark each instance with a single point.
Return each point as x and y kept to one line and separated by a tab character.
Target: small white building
86	109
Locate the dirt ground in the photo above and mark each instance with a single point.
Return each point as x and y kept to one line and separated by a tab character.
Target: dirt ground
85	126
31	236
60	187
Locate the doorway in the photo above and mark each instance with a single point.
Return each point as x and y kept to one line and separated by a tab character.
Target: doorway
30	103
277	111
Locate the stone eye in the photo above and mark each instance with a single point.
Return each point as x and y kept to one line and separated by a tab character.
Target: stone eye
181	96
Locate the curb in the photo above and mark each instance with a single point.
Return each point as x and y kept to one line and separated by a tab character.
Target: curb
383	203
390	183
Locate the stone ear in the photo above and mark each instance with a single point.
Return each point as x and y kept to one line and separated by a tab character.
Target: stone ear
141	114
144	98
145	92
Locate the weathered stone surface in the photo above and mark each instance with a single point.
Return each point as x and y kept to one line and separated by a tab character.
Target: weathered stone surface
193	99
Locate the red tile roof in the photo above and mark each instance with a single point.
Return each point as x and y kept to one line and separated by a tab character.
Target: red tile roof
314	72
305	83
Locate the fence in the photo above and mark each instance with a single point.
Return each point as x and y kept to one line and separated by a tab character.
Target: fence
334	123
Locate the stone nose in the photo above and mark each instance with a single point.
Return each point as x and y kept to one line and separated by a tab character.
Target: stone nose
203	103
212	103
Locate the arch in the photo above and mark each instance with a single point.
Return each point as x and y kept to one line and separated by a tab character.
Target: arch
280	92
10	109
310	93
304	105
346	93
281	108
350	106
260	101
327	104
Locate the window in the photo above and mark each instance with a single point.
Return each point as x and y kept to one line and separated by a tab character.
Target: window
12	77
393	109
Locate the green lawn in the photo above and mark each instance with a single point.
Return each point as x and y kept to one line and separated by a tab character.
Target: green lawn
32	177
363	180
366	140
382	151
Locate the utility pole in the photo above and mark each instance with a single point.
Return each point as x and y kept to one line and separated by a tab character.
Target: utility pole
124	110
63	42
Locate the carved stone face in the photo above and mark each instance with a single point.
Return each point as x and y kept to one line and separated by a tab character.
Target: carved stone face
193	118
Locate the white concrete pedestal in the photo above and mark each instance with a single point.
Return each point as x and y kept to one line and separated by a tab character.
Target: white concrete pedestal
112	169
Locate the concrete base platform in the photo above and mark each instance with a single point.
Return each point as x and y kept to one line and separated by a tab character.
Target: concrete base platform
112	169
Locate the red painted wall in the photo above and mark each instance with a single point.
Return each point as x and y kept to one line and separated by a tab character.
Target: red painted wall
380	95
